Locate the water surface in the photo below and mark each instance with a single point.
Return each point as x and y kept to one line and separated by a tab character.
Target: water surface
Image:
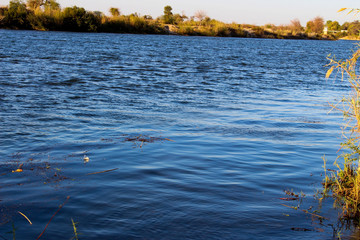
247	119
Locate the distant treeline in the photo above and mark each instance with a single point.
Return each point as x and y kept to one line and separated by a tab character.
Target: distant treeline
47	15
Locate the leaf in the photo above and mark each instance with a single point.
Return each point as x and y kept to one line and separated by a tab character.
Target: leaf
351	11
328	73
25	217
342	9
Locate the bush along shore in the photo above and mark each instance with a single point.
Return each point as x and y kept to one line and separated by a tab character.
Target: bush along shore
47	15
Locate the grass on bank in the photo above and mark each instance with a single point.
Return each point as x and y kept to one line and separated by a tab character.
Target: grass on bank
343	184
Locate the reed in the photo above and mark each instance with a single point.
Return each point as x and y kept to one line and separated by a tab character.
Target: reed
343	184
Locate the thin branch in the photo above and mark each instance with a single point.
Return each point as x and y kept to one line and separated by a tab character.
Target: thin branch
103	171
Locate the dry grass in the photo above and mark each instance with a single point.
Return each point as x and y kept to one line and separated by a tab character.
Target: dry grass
344	183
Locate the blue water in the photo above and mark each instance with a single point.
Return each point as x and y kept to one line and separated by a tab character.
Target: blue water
247	119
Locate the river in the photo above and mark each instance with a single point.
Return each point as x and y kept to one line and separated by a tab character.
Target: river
165	137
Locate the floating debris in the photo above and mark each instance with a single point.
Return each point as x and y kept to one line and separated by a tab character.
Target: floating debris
289	199
138	140
86	159
301	229
145	139
19	169
25	217
110	170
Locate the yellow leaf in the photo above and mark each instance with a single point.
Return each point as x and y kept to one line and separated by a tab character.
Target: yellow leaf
26	217
342	9
328	73
18	170
350	11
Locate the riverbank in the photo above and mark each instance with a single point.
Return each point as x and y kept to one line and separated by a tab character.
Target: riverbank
240	31
189	31
352	38
19	16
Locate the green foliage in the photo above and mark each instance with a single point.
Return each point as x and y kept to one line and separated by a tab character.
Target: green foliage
79	20
115	12
51	6
168	15
3	10
178	19
16	15
131	24
167	10
34	4
333	25
354	28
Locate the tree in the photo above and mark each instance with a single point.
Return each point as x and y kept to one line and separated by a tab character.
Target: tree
168	15
332	25
115	12
16	15
345	26
79	20
148	17
51	5
167	10
354	28
315	26
178	19
98	14
295	26
200	15
34	4
2	12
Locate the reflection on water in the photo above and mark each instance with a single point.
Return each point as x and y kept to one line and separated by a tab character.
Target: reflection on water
247	119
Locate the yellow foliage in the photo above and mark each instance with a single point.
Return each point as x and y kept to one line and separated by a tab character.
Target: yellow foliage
342	9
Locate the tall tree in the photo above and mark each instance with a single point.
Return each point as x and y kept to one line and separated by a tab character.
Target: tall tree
168	15
115	12
168	10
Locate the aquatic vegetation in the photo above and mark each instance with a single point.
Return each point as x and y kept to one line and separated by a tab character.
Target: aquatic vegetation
75	230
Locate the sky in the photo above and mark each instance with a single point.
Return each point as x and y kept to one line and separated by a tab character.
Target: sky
258	12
